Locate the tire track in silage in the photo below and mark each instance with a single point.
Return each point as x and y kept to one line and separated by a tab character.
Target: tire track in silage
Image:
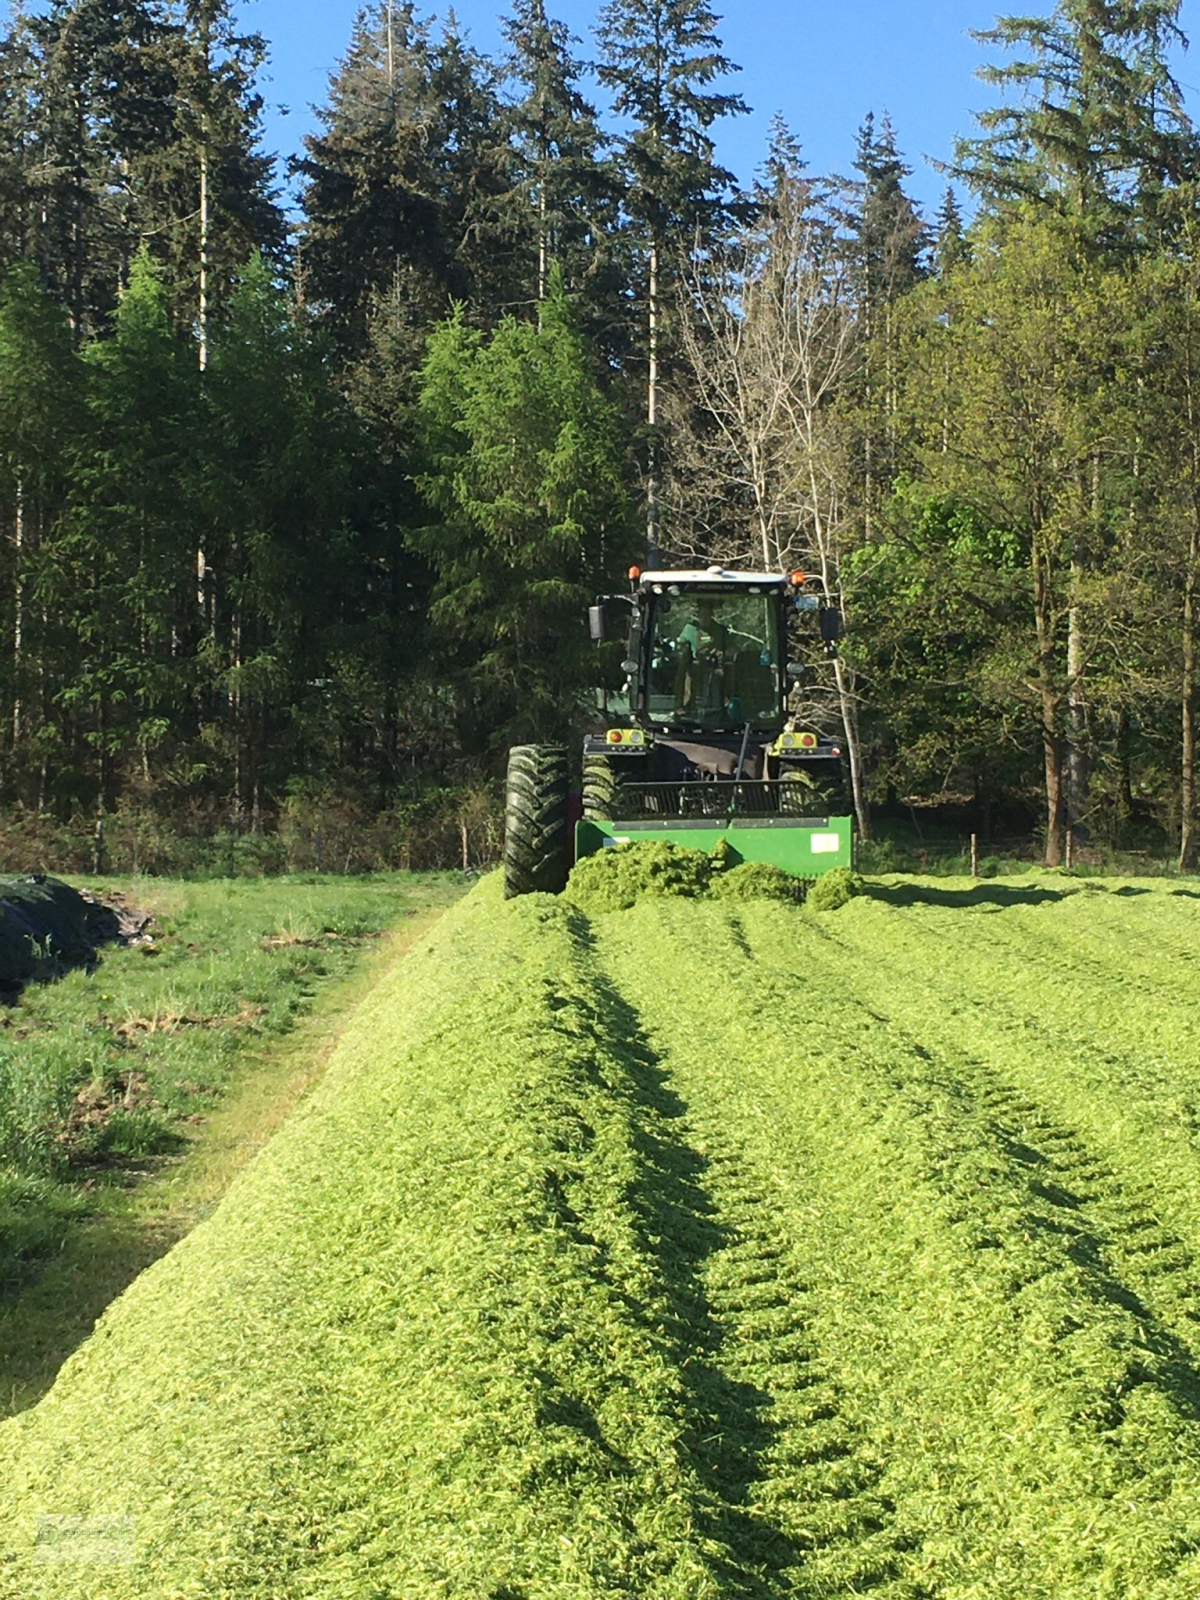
1079	1210
1054	1240
795	1506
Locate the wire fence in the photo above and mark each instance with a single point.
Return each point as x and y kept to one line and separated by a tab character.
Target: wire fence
985	855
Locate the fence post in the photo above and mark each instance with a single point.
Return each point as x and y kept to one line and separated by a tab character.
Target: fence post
466	847
1070	848
974	855
99	854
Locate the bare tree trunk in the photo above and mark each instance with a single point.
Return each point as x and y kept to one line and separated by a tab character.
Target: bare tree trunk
204	225
1050	701
1078	775
1189	833
653	465
18	613
201	554
848	707
1189	841
235	717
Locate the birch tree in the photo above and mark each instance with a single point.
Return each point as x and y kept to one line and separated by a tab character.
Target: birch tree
771	340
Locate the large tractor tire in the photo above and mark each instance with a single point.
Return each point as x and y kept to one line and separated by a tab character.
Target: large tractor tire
601	786
535	821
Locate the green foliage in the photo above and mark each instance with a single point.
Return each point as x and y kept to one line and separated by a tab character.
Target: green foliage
523	461
660	59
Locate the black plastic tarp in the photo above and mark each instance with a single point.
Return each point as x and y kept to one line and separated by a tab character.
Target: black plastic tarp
46	926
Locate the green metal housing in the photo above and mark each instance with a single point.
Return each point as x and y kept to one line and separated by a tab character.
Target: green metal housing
803	846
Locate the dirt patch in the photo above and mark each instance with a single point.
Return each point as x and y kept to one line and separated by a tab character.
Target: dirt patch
133	1029
96	1103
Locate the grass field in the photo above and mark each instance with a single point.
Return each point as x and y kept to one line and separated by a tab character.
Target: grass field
106	1075
702	1249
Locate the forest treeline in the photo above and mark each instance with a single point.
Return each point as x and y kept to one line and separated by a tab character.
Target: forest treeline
304	493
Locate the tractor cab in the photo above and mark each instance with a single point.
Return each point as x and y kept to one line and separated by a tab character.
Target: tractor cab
703	742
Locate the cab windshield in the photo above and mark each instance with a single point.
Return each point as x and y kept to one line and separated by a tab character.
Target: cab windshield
714	659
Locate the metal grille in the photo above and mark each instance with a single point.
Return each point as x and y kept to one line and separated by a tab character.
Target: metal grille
717	798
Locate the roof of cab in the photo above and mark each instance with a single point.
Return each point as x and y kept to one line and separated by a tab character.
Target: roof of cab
718	576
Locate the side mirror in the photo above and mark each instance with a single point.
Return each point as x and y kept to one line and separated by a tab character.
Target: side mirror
596	623
830	621
796	671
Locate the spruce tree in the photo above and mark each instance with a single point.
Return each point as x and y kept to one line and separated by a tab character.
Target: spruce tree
19	73
660	59
404	198
204	187
1100	133
126	558
523	473
41	392
888	241
950	246
564	188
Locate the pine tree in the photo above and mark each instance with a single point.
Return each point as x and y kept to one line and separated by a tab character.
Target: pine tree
950	247
659	58
40	402
1100	133
564	187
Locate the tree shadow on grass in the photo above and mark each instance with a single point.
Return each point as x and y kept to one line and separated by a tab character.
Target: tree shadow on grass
53	1305
980	894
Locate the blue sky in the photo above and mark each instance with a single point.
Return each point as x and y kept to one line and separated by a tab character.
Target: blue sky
823	63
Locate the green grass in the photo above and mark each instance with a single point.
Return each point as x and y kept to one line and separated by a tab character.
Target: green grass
106	1075
697	1250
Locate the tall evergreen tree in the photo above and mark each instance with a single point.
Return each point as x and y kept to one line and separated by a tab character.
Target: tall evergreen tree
888	242
124	560
204	186
1099	132
404	199
950	245
41	393
660	59
276	493
523	471
564	186
18	91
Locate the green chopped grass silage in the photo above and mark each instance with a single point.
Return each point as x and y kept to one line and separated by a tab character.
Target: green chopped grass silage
710	1249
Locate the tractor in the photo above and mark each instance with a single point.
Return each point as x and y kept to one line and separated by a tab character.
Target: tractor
699	745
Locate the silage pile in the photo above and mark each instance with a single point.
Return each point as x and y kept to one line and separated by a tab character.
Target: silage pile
692	1251
46	926
623	876
423	1348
